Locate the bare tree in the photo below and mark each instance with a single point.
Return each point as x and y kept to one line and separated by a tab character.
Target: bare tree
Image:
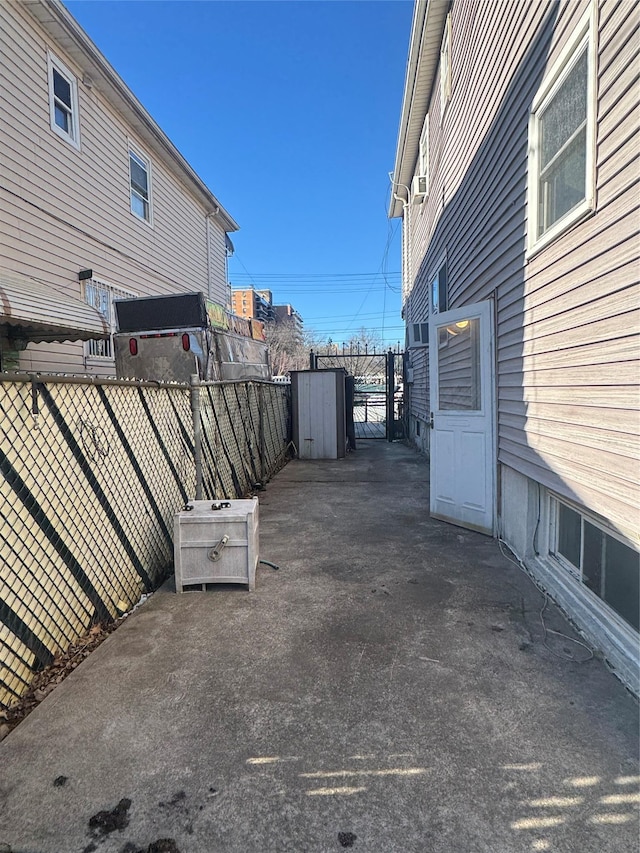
289	347
363	356
364	341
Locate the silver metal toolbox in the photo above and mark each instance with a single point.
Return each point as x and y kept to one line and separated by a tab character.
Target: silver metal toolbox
216	542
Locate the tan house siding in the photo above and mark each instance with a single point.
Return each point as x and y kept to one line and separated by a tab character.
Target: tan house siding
63	210
567	318
576	428
481	236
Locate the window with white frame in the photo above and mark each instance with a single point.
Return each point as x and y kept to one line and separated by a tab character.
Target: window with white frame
562	141
101	296
439	290
597	558
140	185
63	101
423	158
445	66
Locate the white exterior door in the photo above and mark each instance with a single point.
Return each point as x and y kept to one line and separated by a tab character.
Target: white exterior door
462	417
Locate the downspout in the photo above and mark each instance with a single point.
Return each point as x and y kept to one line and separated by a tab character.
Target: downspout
406	254
406	279
208	237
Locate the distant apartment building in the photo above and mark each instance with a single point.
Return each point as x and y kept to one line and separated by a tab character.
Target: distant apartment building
253	304
288	314
258	304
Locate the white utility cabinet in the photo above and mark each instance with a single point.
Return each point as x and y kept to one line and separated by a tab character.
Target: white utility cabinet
216	542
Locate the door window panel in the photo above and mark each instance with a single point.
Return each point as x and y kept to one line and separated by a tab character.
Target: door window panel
459	366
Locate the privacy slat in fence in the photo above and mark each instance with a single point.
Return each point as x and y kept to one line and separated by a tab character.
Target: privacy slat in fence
91	474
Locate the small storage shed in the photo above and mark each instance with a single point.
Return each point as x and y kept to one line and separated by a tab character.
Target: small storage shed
319	413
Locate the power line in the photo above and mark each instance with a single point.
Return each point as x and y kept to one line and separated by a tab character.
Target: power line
344	329
315	318
312	275
298	293
327	287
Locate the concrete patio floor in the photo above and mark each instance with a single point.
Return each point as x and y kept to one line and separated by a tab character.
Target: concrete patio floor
388	689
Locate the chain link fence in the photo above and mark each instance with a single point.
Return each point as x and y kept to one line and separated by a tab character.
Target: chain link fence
91	474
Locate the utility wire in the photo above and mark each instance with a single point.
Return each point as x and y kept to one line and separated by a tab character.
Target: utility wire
313	275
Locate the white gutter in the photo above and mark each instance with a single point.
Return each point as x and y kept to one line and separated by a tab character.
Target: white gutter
429	17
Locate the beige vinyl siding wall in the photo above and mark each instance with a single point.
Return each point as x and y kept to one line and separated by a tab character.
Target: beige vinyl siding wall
581	404
566	319
63	210
217	263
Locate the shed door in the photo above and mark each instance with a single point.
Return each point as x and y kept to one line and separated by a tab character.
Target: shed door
319	407
462	437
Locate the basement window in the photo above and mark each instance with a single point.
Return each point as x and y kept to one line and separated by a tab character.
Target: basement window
599	560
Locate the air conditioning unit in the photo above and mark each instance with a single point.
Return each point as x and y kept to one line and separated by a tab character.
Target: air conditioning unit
418	334
419	188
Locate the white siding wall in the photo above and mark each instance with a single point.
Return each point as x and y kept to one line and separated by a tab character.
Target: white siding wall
567	319
63	210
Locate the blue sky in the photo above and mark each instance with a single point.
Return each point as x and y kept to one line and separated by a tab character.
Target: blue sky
289	112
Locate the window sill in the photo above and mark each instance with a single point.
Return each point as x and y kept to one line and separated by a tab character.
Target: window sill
70	140
99	361
579	214
141	219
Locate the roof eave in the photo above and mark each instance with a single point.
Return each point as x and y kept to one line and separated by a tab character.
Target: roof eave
63	28
429	17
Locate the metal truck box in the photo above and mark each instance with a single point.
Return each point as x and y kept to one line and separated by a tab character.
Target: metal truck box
216	542
171	338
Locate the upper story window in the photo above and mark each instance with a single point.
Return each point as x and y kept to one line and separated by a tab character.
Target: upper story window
562	142
63	101
423	159
439	290
445	66
140	185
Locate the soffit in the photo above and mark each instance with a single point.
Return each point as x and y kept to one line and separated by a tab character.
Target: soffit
429	18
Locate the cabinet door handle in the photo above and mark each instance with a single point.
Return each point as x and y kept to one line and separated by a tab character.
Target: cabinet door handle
215	553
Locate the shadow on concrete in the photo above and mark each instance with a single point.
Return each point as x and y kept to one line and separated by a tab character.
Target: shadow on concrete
390	688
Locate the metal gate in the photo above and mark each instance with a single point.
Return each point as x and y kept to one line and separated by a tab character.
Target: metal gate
378	410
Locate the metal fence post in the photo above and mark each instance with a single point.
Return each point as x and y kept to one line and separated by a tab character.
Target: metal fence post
197	432
391	382
261	437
